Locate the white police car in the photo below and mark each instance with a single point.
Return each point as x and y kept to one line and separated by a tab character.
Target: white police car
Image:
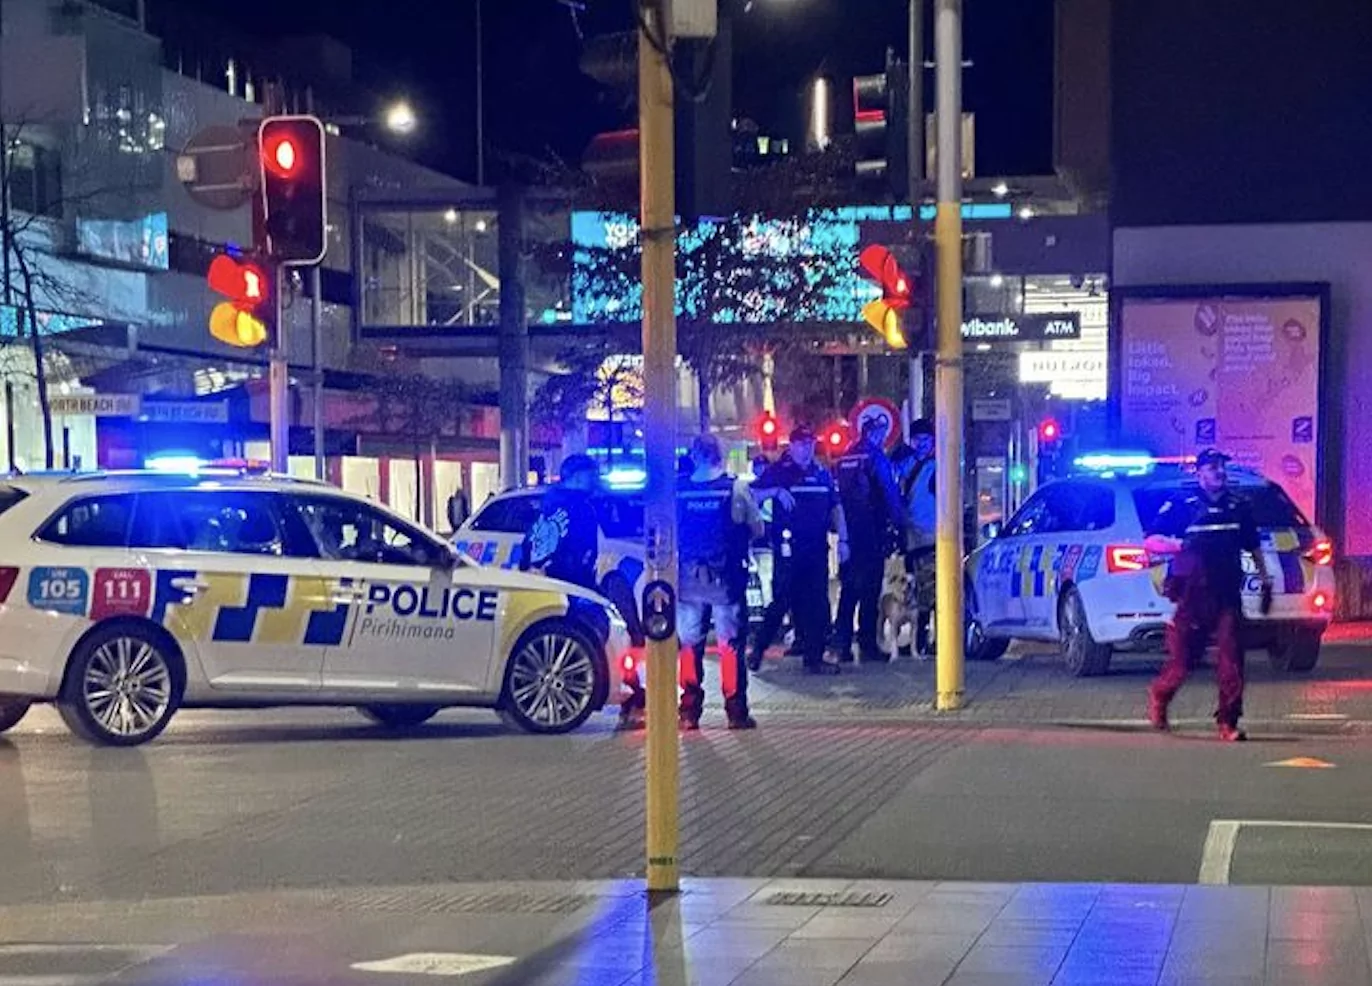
124	597
494	536
1070	566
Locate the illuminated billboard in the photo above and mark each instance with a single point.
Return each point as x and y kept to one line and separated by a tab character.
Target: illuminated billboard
1237	370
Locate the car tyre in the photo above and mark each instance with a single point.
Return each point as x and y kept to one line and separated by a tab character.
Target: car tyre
1081	653
978	646
555	678
399	716
12	710
1295	650
124	682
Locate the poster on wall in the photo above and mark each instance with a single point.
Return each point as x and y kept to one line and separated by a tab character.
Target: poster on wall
1236	370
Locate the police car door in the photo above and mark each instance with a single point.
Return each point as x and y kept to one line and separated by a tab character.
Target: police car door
235	582
1000	581
414	626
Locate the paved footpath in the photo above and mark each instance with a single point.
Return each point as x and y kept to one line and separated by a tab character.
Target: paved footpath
717	933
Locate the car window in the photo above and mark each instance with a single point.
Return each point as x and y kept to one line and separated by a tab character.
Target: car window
1272	508
509	514
1076	507
1031	518
344	530
620	516
92	522
9	496
230	522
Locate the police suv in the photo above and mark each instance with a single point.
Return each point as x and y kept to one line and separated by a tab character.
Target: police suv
125	596
1070	566
494	536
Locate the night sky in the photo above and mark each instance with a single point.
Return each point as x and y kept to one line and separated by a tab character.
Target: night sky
537	100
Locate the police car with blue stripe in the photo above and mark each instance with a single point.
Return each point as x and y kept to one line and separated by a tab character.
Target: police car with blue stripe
125	596
1071	566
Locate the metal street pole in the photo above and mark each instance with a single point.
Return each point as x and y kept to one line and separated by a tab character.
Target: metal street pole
513	342
915	172
278	375
948	395
317	348
480	100
658	211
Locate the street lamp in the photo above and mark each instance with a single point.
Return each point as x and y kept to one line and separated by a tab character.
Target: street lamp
400	118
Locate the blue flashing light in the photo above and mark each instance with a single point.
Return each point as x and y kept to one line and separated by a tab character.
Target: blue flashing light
1117	463
626	478
175	463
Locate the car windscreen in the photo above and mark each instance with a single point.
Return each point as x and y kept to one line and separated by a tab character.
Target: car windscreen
508	515
9	496
1272	508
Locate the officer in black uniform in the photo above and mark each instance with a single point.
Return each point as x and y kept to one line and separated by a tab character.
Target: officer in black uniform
717	520
1206	533
564	542
805	508
876	517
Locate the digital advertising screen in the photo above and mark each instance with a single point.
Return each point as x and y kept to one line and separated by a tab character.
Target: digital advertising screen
1235	371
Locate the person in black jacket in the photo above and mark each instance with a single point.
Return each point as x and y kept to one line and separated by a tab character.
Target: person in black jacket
564	542
876	519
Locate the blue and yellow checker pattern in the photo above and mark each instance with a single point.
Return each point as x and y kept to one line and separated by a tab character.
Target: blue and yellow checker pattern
241	608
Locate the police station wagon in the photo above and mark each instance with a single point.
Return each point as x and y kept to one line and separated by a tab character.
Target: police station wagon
124	597
1070	566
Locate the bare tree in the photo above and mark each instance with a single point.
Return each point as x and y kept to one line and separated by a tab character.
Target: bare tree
420	410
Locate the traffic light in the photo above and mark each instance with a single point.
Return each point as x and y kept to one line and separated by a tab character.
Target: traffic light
290	151
768	431
834	438
1050	432
238	321
881	115
887	313
1049	449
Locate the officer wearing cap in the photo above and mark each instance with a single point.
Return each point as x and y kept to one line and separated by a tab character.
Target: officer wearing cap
876	518
805	508
1206	533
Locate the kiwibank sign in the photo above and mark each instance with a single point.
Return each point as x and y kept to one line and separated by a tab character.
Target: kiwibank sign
1022	328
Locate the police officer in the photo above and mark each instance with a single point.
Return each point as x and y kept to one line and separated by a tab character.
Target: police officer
805	508
564	541
717	520
1206	534
875	515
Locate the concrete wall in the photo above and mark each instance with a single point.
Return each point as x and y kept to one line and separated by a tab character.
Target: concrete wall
1338	253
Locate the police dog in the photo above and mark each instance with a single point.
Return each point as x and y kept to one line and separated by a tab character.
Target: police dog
898	611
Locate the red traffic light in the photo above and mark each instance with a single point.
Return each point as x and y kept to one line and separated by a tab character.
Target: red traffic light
281	156
244	284
293	220
768	426
885	313
1049	430
835	437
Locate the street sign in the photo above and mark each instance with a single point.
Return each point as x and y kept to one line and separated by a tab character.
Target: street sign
991	409
97	405
186	412
884	413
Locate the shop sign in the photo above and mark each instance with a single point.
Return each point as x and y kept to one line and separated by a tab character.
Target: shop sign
97	405
1050	327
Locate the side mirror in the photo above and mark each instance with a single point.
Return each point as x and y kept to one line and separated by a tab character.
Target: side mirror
991	531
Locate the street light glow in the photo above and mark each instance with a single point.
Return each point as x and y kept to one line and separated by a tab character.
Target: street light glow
400	118
1000	189
819	114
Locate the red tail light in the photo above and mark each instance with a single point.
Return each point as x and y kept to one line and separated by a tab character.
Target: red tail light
629	663
8	576
1322	602
1321	552
1125	558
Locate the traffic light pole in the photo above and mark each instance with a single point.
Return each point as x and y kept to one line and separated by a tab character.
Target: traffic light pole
948	387
915	174
279	377
658	221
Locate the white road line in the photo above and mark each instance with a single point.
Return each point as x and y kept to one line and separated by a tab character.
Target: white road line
1218	852
436	964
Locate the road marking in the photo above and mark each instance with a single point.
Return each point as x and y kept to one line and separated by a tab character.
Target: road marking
1316	716
1303	763
1218	852
437	963
122	958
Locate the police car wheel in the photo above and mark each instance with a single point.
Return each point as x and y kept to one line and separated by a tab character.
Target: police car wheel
1082	655
978	646
123	684
554	679
399	716
1295	650
11	711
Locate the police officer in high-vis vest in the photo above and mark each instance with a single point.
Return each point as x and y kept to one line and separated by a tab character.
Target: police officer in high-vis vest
805	509
1206	533
717	521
